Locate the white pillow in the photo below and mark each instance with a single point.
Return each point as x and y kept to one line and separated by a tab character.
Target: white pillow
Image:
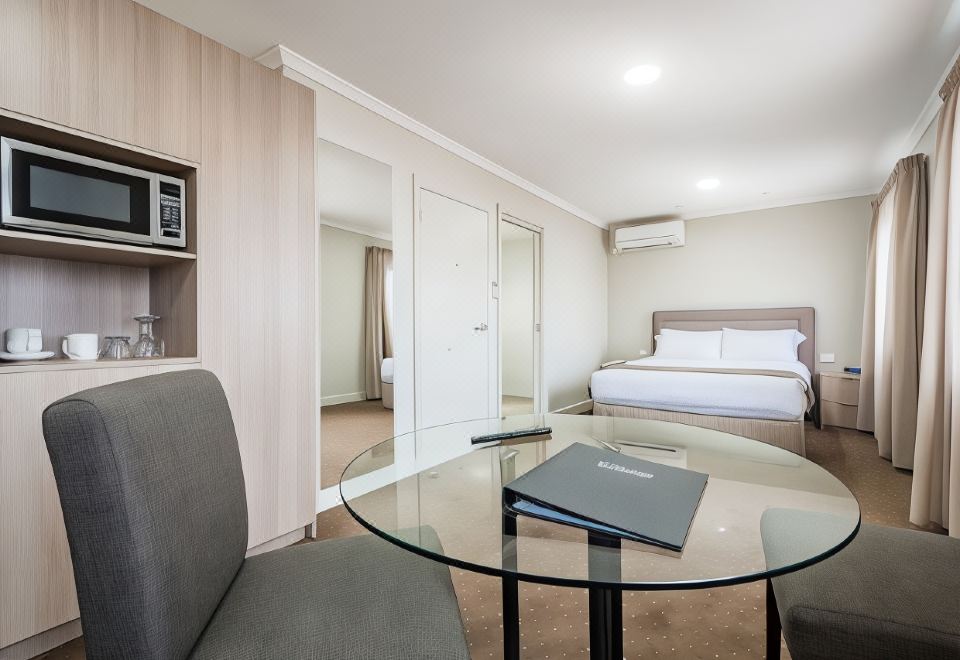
689	345
762	345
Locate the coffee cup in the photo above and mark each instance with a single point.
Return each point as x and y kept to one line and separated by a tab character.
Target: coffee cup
24	340
81	346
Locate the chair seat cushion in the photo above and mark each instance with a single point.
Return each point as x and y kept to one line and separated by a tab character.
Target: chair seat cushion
357	597
892	593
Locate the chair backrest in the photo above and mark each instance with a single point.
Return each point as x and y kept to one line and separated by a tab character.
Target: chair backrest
154	503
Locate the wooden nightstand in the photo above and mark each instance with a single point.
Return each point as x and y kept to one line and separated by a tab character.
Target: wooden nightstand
839	398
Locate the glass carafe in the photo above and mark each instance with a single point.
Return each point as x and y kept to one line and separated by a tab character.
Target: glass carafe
147	345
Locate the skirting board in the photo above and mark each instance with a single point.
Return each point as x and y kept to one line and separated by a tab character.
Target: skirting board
336	399
43	642
280	542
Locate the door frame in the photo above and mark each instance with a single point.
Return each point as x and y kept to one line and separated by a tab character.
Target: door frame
492	320
539	400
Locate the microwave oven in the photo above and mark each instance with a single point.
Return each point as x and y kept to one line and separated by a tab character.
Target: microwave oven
58	192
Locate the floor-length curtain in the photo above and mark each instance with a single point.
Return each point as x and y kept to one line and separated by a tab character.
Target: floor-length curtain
891	351
377	342
936	476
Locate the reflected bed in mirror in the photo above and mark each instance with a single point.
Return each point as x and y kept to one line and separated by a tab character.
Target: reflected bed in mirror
354	196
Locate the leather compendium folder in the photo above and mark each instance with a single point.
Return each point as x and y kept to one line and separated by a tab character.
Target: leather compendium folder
608	492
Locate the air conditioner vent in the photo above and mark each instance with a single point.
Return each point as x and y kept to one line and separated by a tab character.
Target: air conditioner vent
649	236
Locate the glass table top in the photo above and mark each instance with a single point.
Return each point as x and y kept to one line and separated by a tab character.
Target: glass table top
765	511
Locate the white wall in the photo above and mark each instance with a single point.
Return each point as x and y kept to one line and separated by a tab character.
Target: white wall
575	262
516	314
342	259
795	256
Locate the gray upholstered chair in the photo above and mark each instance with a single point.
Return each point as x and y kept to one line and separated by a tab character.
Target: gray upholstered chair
891	593
153	499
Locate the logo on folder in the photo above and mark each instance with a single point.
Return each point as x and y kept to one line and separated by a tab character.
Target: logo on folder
625	470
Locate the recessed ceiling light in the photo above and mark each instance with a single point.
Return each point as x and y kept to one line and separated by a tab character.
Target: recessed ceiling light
642	75
708	184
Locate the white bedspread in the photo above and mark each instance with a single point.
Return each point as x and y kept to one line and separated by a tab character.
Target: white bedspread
726	395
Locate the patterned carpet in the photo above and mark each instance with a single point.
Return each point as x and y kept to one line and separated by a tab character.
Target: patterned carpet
714	623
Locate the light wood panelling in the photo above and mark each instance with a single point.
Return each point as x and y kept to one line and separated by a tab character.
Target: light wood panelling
117	72
36	577
69	63
173	297
257	265
66	364
168	79
80	249
110	67
20	39
61	297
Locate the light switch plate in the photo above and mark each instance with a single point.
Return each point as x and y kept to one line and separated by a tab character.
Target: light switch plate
827	358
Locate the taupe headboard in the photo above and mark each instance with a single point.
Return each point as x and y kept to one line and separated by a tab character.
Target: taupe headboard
797	318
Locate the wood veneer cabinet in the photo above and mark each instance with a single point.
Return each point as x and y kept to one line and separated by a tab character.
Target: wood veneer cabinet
36	576
241	300
257	262
110	67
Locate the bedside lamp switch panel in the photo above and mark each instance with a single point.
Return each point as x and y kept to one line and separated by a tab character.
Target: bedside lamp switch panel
827	358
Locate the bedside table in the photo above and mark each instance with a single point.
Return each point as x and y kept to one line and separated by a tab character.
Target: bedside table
839	399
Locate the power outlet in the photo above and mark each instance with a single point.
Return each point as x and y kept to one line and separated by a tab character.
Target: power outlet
827	358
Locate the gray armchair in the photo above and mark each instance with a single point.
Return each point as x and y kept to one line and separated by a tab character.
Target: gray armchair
892	593
152	491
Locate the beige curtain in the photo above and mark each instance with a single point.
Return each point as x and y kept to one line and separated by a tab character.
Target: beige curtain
377	316
893	312
936	475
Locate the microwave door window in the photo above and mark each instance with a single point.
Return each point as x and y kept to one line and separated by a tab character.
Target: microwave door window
63	192
77	196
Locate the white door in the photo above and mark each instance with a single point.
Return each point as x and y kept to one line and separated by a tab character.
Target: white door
452	326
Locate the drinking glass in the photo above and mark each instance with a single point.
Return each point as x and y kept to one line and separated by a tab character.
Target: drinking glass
148	345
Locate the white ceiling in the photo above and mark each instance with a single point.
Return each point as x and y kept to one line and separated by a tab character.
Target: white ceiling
782	101
355	191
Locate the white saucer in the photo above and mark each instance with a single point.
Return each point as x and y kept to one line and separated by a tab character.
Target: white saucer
17	357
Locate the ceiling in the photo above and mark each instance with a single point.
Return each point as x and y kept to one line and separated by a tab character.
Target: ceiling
355	191
781	101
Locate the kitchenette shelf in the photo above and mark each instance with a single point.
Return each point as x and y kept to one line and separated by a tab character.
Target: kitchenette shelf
68	248
66	364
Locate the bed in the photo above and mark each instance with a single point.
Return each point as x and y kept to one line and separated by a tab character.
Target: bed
759	399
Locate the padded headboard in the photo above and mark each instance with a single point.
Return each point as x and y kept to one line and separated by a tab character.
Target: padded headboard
797	318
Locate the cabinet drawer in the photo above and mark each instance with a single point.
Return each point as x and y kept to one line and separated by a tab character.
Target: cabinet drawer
838	414
840	390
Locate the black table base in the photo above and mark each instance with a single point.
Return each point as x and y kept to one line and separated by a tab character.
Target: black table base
606	605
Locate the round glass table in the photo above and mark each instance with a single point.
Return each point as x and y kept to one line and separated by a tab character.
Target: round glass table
764	512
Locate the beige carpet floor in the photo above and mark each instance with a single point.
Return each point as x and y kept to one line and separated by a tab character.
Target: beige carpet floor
516	405
714	623
346	431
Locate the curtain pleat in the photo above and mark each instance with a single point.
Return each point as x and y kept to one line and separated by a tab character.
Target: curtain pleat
865	409
936	477
895	354
378	342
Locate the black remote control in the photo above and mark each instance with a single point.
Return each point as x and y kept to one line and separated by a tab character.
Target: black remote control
509	435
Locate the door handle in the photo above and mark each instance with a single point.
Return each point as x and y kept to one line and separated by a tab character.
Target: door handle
481	328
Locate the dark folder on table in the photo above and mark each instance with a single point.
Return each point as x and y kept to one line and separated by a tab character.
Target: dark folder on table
608	492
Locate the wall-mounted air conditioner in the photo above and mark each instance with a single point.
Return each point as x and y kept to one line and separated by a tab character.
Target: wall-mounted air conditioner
647	236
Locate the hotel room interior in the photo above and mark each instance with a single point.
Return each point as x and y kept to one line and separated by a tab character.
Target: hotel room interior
461	330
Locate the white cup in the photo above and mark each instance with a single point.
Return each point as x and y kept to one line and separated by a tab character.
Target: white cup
24	340
35	345
81	346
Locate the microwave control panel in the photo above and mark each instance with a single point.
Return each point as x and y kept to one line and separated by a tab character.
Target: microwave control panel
171	220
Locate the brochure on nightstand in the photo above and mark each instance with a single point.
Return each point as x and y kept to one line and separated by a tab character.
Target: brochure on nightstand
608	492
